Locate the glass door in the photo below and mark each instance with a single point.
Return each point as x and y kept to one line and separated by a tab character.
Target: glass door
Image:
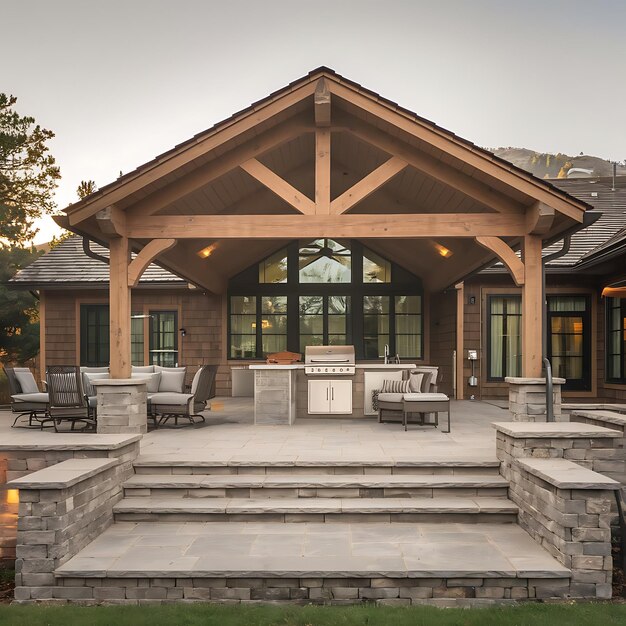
569	340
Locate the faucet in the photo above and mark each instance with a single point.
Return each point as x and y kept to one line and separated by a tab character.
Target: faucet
386	353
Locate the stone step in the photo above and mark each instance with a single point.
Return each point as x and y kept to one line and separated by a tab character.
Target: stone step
440	563
445	509
313	485
152	464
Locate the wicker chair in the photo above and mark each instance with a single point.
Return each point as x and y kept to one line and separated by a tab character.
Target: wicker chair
32	403
166	406
68	402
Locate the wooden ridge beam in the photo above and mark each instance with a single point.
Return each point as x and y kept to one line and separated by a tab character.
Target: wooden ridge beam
321	98
112	221
171	162
539	218
367	185
147	254
433	168
220	166
378	226
279	186
502	250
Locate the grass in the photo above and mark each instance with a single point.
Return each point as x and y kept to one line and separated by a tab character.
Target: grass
219	615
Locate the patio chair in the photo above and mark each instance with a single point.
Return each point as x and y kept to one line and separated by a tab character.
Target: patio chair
168	405
26	399
68	402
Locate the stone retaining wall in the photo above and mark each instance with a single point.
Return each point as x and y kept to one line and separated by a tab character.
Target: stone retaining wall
527	399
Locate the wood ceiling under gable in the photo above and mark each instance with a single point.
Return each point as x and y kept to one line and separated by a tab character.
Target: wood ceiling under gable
360	143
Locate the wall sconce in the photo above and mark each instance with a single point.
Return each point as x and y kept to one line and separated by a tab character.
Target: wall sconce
471	300
183	332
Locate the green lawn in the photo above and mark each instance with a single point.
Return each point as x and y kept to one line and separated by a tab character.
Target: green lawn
215	615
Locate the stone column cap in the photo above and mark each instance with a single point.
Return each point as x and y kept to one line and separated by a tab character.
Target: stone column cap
518	380
565	474
119	382
553	430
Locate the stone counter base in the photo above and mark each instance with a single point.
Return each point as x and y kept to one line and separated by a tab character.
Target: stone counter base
387	591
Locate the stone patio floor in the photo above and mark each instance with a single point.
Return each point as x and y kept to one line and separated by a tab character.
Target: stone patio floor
153	549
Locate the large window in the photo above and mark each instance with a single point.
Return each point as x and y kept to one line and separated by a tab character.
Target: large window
164	338
325	292
94	335
616	340
569	340
136	339
504	332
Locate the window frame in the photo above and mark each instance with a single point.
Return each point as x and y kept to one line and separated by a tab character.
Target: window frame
104	329
621	380
153	315
490	297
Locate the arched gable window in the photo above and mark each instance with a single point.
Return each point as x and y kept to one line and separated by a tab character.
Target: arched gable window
322	292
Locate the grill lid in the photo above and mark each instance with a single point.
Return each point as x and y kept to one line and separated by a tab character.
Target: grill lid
329	355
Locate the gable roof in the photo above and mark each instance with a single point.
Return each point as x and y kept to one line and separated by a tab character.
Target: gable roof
67	265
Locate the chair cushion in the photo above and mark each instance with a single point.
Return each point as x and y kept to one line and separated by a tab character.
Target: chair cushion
154	380
92	401
390	397
142	369
425	397
395	386
170	398
94	370
31	397
172	381
88	388
26	380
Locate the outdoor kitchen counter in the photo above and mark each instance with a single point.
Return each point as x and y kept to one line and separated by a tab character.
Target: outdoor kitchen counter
365	366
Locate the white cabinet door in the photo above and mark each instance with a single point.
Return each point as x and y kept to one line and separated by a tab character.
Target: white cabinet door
341	396
319	396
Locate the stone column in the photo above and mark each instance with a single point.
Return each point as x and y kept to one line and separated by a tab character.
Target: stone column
527	398
122	405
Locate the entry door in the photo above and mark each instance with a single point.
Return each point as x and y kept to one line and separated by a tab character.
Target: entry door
569	344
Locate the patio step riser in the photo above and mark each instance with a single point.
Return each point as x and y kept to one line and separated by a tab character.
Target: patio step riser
358	470
328	518
307	492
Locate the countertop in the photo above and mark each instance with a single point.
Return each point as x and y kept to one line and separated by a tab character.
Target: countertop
365	366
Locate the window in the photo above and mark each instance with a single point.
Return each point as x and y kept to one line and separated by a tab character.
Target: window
243	327
504	336
375	325
274	268
164	338
325	261
94	335
323	320
375	268
136	339
273	324
408	326
616	340
569	344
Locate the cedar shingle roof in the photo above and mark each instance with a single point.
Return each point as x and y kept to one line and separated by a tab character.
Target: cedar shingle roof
67	265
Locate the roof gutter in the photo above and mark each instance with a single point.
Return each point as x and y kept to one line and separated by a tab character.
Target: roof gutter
90	253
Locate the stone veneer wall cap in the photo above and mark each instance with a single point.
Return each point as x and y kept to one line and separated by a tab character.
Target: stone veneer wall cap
64	474
518	380
604	416
61	441
551	430
566	474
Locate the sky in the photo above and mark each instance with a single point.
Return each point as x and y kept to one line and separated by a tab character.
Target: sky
121	81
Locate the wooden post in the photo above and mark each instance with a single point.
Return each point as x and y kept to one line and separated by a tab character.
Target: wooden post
532	308
119	308
460	343
322	171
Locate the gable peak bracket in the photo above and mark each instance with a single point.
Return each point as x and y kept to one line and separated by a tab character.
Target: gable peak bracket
321	98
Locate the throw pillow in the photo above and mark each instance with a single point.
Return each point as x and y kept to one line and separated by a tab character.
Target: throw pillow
154	380
26	380
396	386
88	389
172	381
142	369
415	381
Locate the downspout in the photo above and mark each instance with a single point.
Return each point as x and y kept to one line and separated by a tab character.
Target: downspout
90	253
567	240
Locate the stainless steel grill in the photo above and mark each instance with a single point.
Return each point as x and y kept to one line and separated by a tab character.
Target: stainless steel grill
325	360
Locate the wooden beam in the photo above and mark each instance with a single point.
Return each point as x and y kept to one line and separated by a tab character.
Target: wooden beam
279	186
112	221
151	250
170	162
511	261
368	185
220	166
460	340
321	99
532	308
458	149
322	171
119	308
379	226
433	168
539	218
